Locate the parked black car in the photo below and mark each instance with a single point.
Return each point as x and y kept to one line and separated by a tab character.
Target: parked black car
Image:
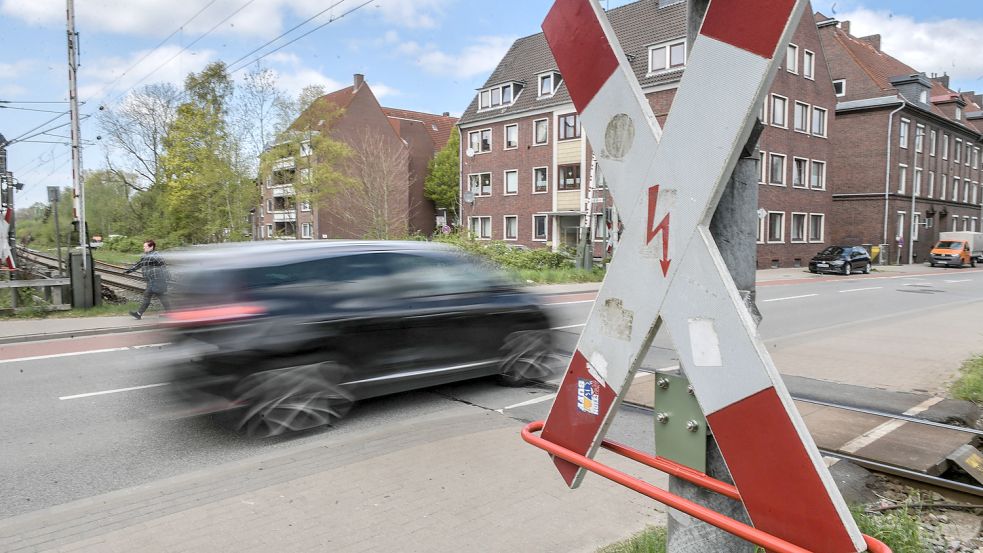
841	259
288	335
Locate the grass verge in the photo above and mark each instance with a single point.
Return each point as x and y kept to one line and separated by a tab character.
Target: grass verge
969	386
650	540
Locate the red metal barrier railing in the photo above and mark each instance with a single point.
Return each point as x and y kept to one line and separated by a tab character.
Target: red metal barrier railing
695	510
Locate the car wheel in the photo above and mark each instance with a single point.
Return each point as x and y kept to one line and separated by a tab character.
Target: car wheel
931	264
867	268
527	355
292	399
847	268
972	262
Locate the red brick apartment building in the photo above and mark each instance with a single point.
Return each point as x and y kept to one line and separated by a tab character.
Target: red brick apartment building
416	136
531	179
906	149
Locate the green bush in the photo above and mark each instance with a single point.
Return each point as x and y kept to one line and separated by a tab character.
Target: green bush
969	386
507	255
898	529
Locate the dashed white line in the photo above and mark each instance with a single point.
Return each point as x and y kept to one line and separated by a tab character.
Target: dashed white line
567	302
568	326
116	391
71	353
533	401
791	297
886	428
963	280
861	289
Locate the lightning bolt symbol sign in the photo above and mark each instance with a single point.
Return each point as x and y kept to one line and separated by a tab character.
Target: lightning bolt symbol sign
654	230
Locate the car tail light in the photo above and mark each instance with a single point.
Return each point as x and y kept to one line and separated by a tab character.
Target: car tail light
217	314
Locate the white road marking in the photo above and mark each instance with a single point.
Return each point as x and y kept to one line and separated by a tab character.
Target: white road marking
567	302
90	394
55	355
568	326
861	289
963	280
886	428
791	297
529	402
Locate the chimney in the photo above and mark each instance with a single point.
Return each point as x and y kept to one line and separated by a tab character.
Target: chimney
943	80
873	40
845	25
359	81
447	114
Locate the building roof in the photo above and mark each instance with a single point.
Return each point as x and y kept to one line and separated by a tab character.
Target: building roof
638	25
438	126
321	110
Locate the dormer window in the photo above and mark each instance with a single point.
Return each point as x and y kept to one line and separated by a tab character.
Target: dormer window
959	113
548	83
668	55
923	96
499	95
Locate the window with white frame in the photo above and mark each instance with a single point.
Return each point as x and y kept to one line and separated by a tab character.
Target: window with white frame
762	112
839	87
539	231
968	152
269	231
901	231
916	218
540	180
975	196
955	189
779	111
480	184
797	232
548	83
818	121
305	148
540	132
305	206
959	113
966	186
568	126
932	137
763	167
761	230
510	230
809	65
955	224
919	138
792	59
511	179
965	223
902	177
481	227
599	228
511	137
269	205
817	224
800	172
903	133
976	158
817	179
776	226
916	182
800	117
668	55
931	185
942	185
480	141
972	226
498	95
306	230
945	146
956	149
776	174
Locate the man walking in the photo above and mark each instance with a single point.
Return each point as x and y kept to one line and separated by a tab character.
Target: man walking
155	273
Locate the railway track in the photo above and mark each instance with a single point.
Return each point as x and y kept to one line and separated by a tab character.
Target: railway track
111	275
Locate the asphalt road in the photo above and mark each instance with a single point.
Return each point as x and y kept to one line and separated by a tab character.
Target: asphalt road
83	424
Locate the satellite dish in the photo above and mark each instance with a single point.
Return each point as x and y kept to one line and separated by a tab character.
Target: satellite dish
762	213
469	197
469	152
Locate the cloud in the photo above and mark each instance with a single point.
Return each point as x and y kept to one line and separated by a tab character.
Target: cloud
100	78
477	59
17	69
414	14
943	45
383	91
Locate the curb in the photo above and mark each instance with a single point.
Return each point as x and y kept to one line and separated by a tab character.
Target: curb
68	334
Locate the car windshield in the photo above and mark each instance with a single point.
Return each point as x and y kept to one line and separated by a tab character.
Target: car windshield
949	245
832	250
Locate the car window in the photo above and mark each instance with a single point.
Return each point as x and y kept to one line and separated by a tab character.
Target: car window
441	274
832	250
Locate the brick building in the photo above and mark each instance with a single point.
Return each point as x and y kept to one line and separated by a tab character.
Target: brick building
354	116
907	149
531	179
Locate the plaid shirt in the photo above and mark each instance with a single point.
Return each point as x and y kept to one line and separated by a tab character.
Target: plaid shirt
154	270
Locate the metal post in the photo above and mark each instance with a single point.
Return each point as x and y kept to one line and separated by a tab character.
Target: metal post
78	195
53	194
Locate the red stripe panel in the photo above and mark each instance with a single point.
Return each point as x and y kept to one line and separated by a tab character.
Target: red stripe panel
752	25
582	52
781	490
568	425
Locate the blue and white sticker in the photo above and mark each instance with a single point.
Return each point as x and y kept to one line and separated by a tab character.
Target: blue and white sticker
588	398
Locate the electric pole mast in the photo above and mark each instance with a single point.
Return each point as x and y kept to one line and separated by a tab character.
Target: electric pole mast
78	191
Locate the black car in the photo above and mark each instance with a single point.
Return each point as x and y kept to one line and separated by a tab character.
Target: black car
288	335
841	259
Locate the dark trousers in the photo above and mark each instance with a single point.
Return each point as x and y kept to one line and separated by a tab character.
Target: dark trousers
148	294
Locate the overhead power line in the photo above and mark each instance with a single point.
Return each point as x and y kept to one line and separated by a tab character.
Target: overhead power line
31	109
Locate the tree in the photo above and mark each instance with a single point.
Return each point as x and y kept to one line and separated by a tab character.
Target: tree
442	185
257	116
106	203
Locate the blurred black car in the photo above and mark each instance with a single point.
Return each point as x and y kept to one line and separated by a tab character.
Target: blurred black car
288	335
841	259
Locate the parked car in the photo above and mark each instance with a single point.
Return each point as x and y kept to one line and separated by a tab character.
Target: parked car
289	335
841	259
957	249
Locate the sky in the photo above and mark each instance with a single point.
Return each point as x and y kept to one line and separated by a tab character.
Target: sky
424	55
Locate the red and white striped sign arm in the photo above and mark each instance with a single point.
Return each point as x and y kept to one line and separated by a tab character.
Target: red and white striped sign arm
6	255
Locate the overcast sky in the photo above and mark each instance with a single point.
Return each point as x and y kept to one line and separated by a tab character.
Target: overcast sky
425	55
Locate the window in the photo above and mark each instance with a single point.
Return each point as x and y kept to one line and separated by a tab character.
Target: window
511	137
902	177
762	112
942	186
269	205
818	177
955	224
539	227
305	206
966	191
792	59
763	167
269	231
919	138
669	55
798	230
800	117
481	227
839	87
817	223
548	83
976	158
975	187
761	230
306	230
480	141
969	149
900	223
945	146
955	150
916	183
569	126
955	189
777	172
915	219
599	230
818	121
809	65
959	113
511	183
305	148
499	95
511	228
569	177
540	132
931	184
903	133
932	135
480	184
800	170
776	226
779	111
540	182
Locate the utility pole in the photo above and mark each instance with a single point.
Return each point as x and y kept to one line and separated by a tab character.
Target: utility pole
53	195
82	280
